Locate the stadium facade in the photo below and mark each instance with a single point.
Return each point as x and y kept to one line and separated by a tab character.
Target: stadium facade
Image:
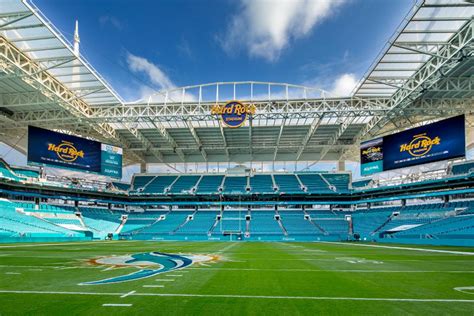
423	76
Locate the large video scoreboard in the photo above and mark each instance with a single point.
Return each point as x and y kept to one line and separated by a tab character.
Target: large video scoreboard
49	148
429	143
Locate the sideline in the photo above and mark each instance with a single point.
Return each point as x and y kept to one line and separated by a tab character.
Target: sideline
400	248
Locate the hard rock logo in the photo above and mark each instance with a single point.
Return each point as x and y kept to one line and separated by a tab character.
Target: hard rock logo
66	151
372	150
420	145
233	114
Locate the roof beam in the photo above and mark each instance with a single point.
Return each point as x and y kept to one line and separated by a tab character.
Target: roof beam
436	19
281	109
192	130
16	19
390	83
20	27
278	139
149	147
332	142
312	129
431	72
250	136
221	129
448	5
417	48
31	38
164	133
13	14
40	49
53	66
240	147
63	116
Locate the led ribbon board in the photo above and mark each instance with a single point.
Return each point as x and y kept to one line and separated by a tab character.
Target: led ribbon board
233	114
48	148
429	143
371	156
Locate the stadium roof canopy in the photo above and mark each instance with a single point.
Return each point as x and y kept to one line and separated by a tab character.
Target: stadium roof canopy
424	72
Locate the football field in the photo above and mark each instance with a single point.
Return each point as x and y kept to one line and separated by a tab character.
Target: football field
224	278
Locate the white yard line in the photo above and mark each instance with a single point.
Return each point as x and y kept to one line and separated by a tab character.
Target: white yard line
165	280
13	266
232	245
342	270
267	297
49	244
51	267
69	243
117	305
307	259
12	273
465	253
127	294
153	286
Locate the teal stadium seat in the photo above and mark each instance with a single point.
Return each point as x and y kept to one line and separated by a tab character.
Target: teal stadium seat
261	184
184	184
235	185
209	184
287	183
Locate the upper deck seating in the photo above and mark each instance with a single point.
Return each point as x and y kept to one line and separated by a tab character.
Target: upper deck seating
339	180
261	184
235	185
159	184
209	184
184	184
287	183
139	182
314	183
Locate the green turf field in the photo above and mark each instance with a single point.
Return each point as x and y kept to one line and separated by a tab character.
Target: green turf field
246	279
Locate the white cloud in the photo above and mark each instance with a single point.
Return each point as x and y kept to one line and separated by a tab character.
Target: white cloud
157	78
344	85
266	27
340	85
142	65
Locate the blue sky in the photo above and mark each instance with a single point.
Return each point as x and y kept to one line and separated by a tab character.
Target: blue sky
141	46
144	46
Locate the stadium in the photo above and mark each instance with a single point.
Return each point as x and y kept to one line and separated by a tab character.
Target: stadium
230	210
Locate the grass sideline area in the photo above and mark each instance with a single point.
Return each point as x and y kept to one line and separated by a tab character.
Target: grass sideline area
243	279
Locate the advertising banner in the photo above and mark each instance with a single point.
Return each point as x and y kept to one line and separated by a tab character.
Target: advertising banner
111	161
429	143
48	148
371	156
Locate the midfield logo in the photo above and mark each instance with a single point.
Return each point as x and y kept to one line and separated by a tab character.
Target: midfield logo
149	264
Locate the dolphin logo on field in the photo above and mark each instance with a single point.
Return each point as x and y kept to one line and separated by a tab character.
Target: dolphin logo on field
166	263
